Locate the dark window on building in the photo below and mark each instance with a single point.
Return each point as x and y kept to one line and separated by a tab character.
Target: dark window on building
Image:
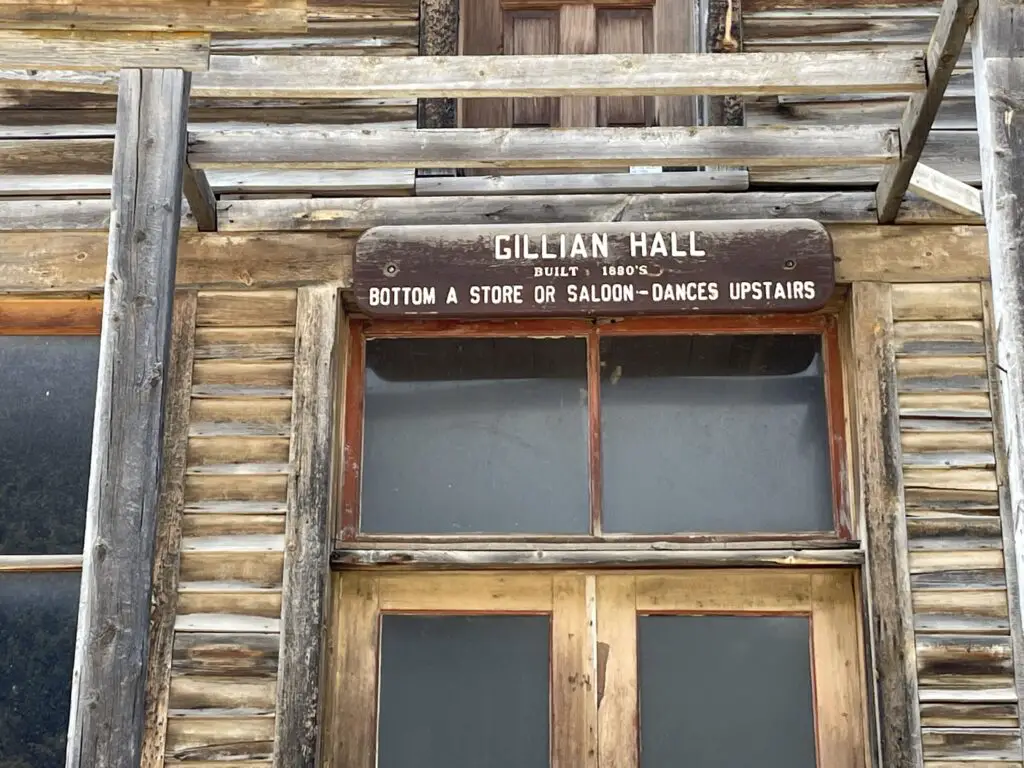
49	356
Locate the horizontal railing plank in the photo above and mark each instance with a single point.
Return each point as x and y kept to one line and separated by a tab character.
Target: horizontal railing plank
340	147
562	75
355	77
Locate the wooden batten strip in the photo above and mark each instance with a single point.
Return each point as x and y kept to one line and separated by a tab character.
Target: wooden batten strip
307	533
168	536
221	655
103	51
238	309
891	635
195	738
272	343
662	74
946	715
937	301
353	148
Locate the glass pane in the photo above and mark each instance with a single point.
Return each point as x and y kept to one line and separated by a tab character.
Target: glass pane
475	436
38	616
719	434
464	692
47	398
725	691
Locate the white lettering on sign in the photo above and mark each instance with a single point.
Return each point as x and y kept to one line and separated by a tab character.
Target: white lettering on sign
766	290
496	294
407	296
594	245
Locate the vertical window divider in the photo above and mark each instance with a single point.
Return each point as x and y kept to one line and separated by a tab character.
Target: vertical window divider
352	429
594	415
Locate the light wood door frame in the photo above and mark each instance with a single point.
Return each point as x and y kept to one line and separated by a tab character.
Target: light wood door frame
594	671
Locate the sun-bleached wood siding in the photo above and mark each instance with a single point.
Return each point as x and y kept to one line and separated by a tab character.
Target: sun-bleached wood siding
836	25
962	624
224	660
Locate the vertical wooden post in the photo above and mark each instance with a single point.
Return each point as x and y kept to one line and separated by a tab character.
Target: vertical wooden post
439	36
881	495
308	530
997	41
108	688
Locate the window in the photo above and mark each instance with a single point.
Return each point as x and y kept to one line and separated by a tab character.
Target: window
632	430
49	356
504	485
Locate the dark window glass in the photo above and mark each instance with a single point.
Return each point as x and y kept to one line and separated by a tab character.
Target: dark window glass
464	692
38	616
721	434
47	399
725	691
475	436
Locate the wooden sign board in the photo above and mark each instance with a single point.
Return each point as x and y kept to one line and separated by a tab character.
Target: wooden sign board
667	268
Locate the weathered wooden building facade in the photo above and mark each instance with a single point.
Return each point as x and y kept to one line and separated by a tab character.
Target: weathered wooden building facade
513	382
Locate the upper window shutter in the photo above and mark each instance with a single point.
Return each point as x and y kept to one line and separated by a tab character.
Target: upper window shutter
532	27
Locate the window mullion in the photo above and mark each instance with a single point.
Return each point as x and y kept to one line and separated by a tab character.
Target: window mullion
594	416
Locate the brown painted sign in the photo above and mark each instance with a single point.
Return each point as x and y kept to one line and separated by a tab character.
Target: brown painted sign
687	267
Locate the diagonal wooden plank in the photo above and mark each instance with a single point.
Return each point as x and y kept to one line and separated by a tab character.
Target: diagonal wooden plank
945	190
947	40
341	147
201	200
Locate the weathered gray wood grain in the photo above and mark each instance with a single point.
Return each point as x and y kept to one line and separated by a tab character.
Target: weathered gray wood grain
566	75
168	534
357	214
340	147
108	689
881	494
308	532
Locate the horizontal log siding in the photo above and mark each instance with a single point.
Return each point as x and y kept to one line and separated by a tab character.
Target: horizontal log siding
838	25
227	628
968	698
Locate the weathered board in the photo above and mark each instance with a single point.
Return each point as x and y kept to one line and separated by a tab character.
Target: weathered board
682	267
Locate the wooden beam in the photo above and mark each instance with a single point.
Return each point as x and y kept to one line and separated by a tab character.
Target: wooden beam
945	190
585	183
998	57
168	537
341	147
308	528
448	77
108	690
483	558
201	200
947	40
272	16
358	214
891	631
102	51
73	262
